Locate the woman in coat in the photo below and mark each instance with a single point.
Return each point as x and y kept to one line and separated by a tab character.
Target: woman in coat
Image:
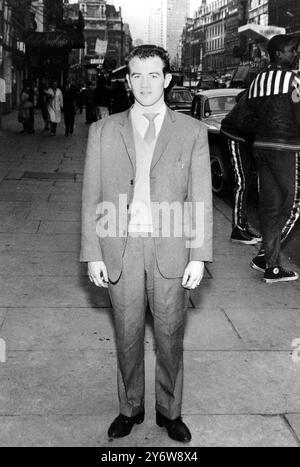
55	106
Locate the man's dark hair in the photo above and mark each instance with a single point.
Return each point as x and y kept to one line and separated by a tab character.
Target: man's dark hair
146	51
277	44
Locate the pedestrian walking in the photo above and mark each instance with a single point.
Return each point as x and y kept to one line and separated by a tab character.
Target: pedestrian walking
26	108
153	157
43	103
120	101
274	98
102	98
55	105
240	147
80	97
69	98
90	105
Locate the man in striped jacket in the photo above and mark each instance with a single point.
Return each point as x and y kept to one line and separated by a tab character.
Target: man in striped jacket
274	97
239	144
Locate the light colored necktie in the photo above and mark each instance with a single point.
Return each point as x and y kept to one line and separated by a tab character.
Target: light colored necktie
150	133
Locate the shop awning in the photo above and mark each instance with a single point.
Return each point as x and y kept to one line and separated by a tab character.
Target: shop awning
257	31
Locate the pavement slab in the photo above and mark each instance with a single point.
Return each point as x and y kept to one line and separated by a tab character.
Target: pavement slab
51	208
3	312
13	224
40	264
7	207
36	329
51	292
241	293
239	267
3	174
210	330
27	187
59	227
241	383
91	431
49	243
294	421
92	328
36	383
266	329
63	382
66	200
74	189
24	196
54	212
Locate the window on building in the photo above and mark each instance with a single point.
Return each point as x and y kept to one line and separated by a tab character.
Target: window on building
264	19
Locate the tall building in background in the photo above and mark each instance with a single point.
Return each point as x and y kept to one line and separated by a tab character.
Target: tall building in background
157	28
166	24
176	13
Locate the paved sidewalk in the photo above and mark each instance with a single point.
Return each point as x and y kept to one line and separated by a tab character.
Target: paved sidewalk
58	385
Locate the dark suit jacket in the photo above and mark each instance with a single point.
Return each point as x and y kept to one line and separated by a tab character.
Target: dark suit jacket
180	172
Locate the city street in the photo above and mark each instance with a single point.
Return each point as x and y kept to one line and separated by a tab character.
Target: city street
58	377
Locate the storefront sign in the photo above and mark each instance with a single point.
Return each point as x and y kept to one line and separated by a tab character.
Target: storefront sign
55	40
96	61
101	47
254	31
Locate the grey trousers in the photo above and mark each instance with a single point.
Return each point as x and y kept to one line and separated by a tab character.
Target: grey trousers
140	284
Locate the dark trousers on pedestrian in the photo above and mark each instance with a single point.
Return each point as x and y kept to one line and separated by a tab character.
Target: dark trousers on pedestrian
53	127
45	116
279	199
140	284
244	175
69	116
28	124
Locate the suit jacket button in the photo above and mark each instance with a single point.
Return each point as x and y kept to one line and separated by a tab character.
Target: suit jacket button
131	182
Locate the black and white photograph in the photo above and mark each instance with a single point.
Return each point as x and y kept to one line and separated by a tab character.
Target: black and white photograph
149	226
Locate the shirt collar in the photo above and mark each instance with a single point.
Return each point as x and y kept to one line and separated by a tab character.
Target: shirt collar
139	110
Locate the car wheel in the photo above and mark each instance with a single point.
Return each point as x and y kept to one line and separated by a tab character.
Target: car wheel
218	174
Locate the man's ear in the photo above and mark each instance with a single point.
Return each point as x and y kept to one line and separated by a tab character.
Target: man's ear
168	79
128	81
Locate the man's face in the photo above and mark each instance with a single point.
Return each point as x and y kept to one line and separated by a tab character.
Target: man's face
147	80
288	56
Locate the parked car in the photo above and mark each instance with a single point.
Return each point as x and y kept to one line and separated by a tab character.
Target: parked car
211	107
180	99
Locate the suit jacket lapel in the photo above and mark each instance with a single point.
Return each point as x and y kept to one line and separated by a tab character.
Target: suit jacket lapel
127	135
164	136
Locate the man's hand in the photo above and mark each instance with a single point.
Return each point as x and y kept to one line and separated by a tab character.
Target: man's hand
193	275
98	274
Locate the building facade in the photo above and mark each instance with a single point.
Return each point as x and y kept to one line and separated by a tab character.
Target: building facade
15	19
286	13
224	33
51	40
107	37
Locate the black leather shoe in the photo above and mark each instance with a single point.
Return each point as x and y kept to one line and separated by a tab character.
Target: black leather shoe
122	425
176	429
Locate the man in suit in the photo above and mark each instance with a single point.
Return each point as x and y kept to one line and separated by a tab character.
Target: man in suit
146	179
69	96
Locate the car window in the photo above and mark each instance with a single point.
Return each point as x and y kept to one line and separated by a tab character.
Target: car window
221	104
179	96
